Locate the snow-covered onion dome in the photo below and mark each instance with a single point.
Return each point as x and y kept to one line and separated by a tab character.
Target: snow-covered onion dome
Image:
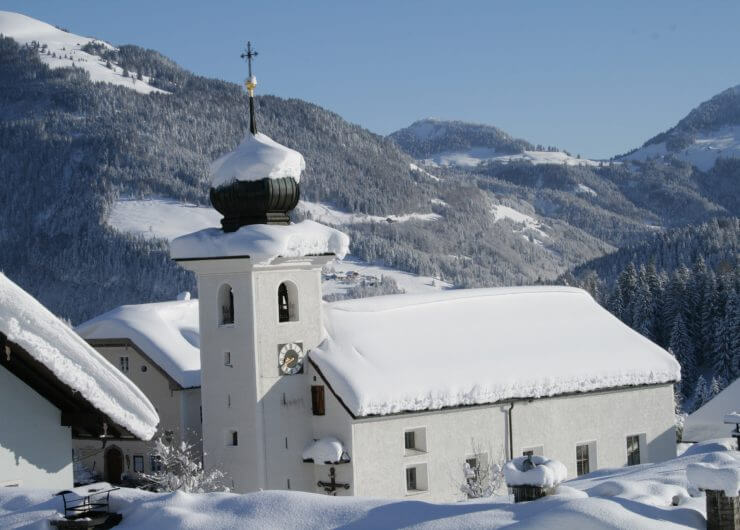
257	183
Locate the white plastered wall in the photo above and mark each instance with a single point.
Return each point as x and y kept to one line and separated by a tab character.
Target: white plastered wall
35	450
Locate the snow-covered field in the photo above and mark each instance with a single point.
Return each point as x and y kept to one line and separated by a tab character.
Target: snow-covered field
627	498
477	155
64	51
324	213
703	153
529	223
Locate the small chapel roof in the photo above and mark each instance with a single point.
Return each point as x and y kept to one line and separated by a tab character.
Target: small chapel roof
166	332
399	353
708	421
48	353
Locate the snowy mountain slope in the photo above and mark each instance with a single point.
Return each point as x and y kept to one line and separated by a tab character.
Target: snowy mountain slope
481	155
61	49
632	497
708	132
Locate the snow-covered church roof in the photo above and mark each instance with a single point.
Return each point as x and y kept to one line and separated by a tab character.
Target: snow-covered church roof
708	421
167	332
52	343
262	243
258	156
400	353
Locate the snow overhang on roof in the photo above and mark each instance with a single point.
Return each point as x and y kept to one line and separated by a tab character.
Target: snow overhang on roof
262	243
45	349
391	354
168	333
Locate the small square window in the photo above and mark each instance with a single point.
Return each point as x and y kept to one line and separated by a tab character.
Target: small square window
416	478
633	450
411	478
123	364
409	440
415	441
138	463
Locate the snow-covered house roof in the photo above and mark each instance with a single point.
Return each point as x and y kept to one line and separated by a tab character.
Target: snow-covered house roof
262	243
40	342
708	421
400	353
166	332
258	156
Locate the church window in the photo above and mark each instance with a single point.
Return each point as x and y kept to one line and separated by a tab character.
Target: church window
287	302
123	364
227	358
232	438
226	304
317	400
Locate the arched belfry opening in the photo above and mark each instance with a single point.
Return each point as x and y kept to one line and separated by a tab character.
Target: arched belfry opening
226	304
287	302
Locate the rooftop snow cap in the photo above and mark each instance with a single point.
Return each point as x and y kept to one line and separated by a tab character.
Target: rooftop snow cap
257	183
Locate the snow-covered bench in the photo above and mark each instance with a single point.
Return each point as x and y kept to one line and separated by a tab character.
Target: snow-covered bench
87	506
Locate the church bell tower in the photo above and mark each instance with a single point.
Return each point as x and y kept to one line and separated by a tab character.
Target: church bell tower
259	285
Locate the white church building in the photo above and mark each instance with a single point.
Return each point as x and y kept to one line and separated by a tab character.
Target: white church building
390	396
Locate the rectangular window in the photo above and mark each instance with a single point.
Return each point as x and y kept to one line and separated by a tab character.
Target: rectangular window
123	363
234	438
409	440
633	450
411	478
582	459
138	463
528	452
227	358
317	400
155	463
473	470
537	450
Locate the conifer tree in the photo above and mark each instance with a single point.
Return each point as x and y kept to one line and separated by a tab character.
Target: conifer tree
701	395
681	347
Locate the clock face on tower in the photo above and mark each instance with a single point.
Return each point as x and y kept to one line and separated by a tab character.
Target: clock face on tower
290	358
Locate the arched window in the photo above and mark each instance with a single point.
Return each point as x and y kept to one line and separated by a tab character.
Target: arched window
226	304
287	302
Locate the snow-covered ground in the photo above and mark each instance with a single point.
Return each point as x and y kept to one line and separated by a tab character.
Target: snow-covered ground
66	47
529	223
477	155
324	213
703	153
163	218
424	172
632	497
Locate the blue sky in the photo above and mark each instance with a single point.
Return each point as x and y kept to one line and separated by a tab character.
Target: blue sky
593	77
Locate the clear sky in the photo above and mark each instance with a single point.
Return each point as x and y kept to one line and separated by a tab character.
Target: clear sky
594	77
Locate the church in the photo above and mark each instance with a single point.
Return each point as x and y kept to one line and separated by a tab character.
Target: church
391	396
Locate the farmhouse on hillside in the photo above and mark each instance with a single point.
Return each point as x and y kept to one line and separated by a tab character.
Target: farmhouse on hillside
54	386
392	396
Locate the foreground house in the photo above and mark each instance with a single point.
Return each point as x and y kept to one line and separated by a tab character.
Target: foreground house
157	347
54	386
391	396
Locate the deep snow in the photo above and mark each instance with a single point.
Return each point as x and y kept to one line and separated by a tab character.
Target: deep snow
625	498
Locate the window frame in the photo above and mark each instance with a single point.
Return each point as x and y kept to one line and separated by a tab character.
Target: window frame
288	310
140	460
124	363
226	307
581	462
411	479
632	451
318	400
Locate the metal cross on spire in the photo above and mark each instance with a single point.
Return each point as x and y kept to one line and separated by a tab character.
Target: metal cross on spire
248	55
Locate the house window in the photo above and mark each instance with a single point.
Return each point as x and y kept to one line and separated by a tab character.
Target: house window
472	470
155	463
583	463
317	400
226	304
287	302
232	438
528	452
415	441
123	363
411	478
633	450
533	451
227	358
416	478
138	463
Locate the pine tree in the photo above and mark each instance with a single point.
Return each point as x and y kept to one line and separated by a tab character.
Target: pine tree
701	395
726	358
715	387
680	346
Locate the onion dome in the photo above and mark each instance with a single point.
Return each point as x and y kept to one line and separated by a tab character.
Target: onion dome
258	182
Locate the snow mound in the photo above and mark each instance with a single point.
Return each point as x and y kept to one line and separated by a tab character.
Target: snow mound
708	421
546	473
721	475
160	218
67	48
74	362
567	342
263	243
257	157
167	332
323	451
